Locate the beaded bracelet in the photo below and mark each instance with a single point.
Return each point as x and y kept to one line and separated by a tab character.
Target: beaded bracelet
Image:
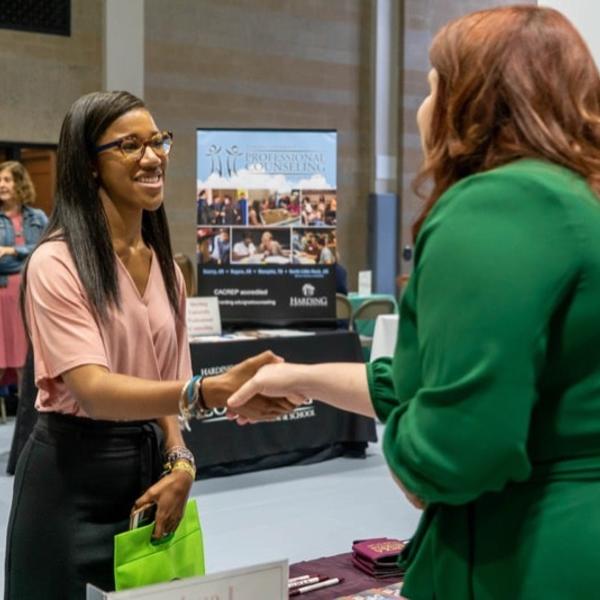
191	403
184	417
175	453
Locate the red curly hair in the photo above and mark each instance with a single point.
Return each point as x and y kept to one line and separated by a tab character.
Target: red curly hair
513	82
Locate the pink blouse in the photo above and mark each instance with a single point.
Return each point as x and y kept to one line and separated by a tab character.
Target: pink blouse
17	223
142	339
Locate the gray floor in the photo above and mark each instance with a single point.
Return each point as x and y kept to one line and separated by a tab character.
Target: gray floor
296	513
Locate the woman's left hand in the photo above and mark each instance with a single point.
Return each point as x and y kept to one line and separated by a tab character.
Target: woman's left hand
7	251
170	495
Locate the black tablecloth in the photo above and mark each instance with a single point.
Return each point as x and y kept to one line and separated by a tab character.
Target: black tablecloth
312	433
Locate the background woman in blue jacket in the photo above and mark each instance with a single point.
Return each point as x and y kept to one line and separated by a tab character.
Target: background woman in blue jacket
20	228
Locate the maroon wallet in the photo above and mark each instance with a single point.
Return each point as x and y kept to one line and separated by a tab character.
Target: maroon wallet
378	572
379	551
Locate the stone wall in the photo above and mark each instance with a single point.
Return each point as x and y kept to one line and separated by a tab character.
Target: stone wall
422	19
263	64
43	74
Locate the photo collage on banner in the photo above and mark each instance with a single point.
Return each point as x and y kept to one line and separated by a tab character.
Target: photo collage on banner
266	223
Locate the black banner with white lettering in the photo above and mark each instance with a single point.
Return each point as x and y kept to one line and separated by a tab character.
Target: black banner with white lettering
264	294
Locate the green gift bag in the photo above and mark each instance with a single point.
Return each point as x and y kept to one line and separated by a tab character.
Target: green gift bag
140	561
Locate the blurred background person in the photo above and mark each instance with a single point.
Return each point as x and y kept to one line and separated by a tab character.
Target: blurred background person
331	212
315	219
244	248
294	206
307	210
231	215
242	204
218	210
202	211
253	214
341	276
326	256
309	245
221	246
268	246
21	226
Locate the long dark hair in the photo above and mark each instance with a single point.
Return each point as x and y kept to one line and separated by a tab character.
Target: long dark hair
513	82
78	217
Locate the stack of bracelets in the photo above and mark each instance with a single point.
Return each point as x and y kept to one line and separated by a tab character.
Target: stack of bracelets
191	403
179	458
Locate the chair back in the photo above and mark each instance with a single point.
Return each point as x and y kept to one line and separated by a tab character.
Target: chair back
372	308
343	308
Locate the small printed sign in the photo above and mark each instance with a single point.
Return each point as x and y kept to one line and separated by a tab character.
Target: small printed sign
203	316
267	582
364	283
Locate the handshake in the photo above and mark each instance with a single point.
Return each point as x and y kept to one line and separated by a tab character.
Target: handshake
261	388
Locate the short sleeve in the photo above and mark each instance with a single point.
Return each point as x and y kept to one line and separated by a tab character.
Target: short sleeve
492	266
63	330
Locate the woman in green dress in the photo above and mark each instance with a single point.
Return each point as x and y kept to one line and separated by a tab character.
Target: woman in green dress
491	402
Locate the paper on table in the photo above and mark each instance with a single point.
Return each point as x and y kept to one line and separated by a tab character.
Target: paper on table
364	283
203	316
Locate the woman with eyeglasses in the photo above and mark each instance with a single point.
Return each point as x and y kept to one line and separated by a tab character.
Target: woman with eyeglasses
104	306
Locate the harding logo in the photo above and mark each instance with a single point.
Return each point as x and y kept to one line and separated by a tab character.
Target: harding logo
308	290
308	297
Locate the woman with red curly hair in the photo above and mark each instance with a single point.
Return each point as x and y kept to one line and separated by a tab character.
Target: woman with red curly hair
492	400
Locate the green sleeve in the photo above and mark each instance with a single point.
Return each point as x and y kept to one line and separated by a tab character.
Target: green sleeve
492	265
381	387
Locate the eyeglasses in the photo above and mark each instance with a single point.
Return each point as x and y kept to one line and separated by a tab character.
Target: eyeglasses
133	148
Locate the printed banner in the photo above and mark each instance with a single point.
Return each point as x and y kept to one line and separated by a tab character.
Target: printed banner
266	224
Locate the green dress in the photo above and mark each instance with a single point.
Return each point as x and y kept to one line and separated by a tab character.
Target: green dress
492	399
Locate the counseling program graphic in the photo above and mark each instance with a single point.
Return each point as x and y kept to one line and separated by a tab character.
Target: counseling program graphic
266	210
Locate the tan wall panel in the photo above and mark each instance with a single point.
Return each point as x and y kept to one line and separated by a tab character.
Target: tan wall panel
422	19
263	63
43	74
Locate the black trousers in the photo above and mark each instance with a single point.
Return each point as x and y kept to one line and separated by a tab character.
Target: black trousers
75	485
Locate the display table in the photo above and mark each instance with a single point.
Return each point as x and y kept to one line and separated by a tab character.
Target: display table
311	433
340	565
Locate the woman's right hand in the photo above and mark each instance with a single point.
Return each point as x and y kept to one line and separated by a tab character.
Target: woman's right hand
256	407
273	382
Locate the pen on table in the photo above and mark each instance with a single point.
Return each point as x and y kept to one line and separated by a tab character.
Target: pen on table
315	586
306	581
299	578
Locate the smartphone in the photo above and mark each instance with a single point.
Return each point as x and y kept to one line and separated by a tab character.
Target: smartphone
142	516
